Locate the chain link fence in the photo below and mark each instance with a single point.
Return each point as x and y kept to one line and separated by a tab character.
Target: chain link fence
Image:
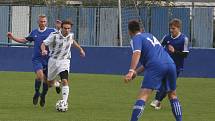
96	22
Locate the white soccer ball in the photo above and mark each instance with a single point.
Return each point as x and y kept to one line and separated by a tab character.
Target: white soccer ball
61	106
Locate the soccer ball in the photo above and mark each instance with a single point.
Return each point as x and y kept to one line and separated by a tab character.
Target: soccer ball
61	106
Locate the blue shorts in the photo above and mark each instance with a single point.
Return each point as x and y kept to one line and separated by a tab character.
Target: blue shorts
39	64
159	75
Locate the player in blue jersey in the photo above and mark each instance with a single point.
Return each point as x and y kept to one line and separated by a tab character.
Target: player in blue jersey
157	66
176	44
39	62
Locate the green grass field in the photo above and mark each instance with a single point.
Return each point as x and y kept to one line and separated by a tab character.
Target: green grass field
101	98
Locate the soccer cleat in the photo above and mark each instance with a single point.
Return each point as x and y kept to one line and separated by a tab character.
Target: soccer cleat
58	90
42	100
156	104
35	98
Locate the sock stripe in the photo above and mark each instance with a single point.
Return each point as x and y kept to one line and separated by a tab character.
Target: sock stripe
138	107
177	108
141	112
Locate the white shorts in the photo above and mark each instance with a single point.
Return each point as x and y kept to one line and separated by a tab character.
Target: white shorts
56	66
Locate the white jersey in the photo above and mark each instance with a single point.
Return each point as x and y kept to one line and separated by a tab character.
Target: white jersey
59	46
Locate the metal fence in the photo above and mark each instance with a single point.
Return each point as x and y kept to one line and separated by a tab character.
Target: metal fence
99	26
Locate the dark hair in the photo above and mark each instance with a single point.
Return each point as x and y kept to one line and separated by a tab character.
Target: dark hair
134	26
175	22
66	22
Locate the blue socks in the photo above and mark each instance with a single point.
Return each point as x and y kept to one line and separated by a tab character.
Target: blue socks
45	89
137	110
176	109
37	85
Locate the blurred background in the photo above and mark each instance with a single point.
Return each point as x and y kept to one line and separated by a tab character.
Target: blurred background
99	23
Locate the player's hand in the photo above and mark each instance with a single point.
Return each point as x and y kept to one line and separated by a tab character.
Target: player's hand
44	52
130	76
134	75
171	48
10	35
82	53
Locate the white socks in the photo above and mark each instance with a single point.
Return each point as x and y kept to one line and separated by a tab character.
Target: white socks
65	93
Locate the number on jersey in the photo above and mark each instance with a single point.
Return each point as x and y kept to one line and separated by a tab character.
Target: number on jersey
154	41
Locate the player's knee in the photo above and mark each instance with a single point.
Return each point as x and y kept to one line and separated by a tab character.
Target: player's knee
144	94
172	95
64	77
40	75
65	82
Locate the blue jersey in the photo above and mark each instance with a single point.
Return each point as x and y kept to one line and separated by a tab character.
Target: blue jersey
38	36
152	53
180	43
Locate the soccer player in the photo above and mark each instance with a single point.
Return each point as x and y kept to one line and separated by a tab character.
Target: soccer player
156	64
176	44
39	62
59	44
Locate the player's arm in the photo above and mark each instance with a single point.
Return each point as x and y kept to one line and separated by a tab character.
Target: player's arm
139	69
46	42
136	45
134	61
43	49
185	51
19	40
182	53
76	45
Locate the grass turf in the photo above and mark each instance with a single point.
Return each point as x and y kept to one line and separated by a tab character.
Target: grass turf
101	98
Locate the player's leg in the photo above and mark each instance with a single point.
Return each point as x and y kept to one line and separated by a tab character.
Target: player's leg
140	103
45	82
171	86
45	88
50	73
152	80
65	86
176	106
56	84
38	68
38	81
160	95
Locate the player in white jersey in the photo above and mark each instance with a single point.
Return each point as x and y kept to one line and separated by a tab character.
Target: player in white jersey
59	44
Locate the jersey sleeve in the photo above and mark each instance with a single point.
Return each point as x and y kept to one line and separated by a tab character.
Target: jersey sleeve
186	44
50	39
72	38
136	44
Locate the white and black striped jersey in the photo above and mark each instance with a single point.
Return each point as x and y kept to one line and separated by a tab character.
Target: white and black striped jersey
59	46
